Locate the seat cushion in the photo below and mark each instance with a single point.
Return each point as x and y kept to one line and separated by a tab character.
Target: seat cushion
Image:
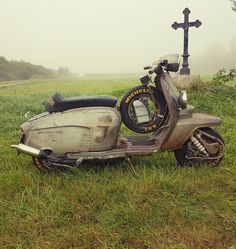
57	103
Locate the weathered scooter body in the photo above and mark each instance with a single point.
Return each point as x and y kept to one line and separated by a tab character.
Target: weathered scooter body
64	137
75	130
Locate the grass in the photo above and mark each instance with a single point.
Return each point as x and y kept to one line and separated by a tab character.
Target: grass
167	206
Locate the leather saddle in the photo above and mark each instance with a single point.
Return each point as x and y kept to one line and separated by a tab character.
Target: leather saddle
57	103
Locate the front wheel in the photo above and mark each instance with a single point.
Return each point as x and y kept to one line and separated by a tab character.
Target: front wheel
205	146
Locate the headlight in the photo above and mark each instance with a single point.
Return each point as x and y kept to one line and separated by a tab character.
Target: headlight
182	100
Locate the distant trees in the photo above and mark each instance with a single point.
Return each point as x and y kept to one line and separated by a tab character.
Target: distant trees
63	71
21	70
233	4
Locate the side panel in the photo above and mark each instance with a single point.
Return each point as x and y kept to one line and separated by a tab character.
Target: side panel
61	138
185	127
77	130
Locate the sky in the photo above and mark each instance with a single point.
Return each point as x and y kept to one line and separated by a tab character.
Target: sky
115	36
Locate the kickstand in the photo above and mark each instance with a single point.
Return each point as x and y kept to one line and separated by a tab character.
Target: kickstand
131	167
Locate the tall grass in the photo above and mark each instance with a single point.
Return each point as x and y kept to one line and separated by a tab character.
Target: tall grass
167	206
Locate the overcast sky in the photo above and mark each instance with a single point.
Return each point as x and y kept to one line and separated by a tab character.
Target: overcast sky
99	36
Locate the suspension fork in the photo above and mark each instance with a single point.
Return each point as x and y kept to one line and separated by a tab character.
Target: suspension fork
203	146
200	147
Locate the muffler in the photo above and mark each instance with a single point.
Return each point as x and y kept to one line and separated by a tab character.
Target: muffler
22	148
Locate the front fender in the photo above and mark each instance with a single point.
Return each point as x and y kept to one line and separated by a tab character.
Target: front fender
185	126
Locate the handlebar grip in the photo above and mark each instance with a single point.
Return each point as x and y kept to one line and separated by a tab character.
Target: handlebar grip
155	69
151	71
158	67
147	67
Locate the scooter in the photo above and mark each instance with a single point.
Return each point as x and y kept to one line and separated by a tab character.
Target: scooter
75	130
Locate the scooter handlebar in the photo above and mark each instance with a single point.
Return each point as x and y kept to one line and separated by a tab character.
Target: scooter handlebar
158	67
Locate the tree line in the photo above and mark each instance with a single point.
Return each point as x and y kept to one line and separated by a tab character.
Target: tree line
233	4
21	70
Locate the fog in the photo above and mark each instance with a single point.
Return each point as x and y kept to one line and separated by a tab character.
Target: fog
111	36
214	57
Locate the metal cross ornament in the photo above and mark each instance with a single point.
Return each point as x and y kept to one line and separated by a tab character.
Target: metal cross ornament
185	26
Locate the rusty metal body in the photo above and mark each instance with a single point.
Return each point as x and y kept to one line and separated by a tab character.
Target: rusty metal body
183	122
76	130
90	133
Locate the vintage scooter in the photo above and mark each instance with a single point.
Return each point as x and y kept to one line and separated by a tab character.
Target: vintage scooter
81	129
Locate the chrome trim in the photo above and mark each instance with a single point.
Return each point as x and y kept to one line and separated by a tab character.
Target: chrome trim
25	149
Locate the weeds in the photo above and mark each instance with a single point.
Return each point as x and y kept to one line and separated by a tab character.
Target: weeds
168	206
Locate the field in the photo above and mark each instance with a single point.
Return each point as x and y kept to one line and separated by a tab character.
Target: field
167	206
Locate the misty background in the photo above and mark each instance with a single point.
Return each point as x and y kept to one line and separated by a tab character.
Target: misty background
111	36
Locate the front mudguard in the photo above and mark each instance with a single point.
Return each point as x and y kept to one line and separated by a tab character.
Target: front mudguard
185	126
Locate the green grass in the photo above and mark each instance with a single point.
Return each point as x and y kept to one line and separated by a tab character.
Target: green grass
167	206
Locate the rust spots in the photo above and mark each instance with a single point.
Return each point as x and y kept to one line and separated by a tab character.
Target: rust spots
103	134
106	119
102	128
121	143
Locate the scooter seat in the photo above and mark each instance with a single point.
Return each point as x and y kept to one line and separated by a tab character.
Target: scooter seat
57	103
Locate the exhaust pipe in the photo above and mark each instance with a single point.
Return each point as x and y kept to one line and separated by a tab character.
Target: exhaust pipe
22	148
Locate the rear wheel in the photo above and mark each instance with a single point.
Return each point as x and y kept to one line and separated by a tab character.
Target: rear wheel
42	165
207	149
45	165
139	112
